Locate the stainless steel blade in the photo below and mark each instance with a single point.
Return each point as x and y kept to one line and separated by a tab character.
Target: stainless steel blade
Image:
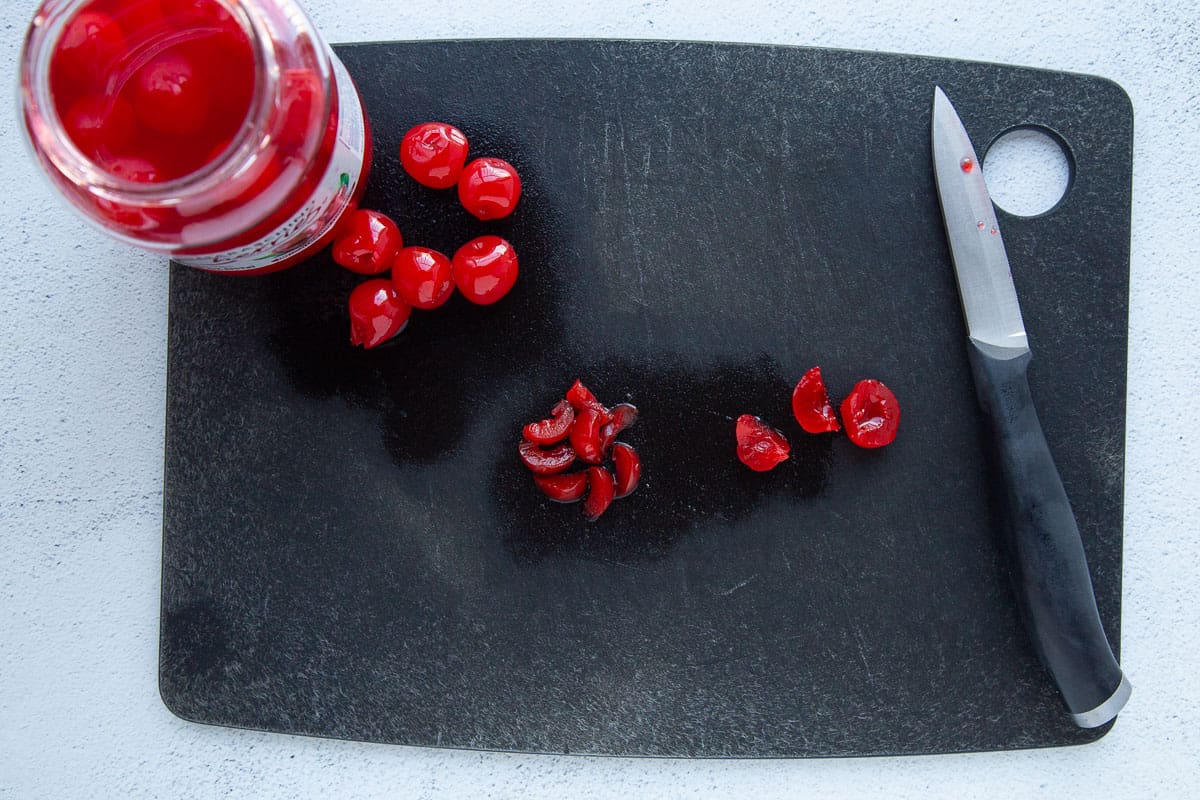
985	284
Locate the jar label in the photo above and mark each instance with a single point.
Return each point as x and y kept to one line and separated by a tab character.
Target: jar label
316	217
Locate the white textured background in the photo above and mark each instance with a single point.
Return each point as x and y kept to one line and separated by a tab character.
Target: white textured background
83	338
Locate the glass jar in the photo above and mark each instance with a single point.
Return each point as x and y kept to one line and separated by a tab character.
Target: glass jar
222	133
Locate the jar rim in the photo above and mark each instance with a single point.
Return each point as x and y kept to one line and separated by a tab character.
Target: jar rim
45	129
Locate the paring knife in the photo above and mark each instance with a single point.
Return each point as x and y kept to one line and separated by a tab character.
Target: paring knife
1050	571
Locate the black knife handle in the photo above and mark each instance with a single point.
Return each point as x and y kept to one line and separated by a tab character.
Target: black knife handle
1050	571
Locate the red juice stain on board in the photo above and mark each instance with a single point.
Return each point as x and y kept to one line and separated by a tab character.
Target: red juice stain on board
186	70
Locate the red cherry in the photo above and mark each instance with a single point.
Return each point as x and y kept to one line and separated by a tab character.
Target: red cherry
90	45
759	446
811	406
99	124
422	277
171	96
567	488
552	430
585	436
485	269
489	188
545	462
581	397
367	242
433	153
871	414
376	313
628	467
600	493
623	415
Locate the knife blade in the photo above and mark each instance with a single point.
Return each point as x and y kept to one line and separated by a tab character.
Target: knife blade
1049	566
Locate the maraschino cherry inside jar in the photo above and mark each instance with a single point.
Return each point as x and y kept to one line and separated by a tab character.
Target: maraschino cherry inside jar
223	133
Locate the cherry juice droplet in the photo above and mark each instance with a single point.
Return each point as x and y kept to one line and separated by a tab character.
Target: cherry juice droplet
967	164
980	224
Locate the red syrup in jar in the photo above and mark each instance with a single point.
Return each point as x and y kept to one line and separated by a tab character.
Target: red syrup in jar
223	133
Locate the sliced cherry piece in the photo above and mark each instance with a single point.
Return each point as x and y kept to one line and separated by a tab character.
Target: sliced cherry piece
601	489
871	414
628	467
543	461
555	429
585	435
608	435
759	446
566	488
623	415
811	406
581	397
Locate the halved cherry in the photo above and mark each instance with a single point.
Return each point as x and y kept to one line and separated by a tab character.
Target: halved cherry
811	406
543	461
628	467
555	429
585	435
566	488
600	493
759	446
871	414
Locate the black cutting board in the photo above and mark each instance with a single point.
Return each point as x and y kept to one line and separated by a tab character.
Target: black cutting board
352	548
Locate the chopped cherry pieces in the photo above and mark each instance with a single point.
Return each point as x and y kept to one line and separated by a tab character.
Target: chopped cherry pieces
811	406
585	436
628	467
601	490
759	446
871	414
543	461
566	488
591	431
555	429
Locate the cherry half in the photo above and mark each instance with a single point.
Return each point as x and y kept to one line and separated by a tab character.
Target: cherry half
554	429
601	490
871	414
545	462
376	313
759	446
811	406
433	153
485	269
422	277
567	488
367	242
489	188
628	467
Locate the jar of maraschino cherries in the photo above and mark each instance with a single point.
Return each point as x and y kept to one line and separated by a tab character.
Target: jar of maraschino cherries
223	133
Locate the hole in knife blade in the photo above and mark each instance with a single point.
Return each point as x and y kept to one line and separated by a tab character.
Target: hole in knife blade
1028	170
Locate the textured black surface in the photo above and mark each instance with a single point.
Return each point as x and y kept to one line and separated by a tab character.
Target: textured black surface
353	550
